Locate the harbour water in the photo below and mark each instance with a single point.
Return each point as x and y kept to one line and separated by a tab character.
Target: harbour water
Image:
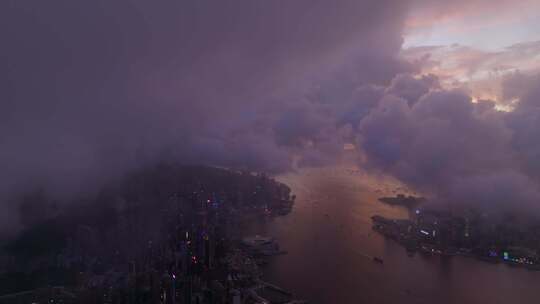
330	243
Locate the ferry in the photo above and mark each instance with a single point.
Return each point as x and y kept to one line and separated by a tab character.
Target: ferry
378	260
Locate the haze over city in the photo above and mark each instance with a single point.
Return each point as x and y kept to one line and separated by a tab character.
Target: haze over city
402	108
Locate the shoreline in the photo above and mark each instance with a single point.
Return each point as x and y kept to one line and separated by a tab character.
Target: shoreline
394	230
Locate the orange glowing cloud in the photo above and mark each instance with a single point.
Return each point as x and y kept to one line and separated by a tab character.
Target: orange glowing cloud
477	71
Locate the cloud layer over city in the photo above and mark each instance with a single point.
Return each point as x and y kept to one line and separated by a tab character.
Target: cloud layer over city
94	89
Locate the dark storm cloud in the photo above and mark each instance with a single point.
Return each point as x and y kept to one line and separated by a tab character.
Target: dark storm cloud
459	152
518	85
425	144
93	88
410	88
524	122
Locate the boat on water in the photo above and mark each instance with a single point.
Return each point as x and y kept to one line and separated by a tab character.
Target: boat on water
257	240
378	260
261	245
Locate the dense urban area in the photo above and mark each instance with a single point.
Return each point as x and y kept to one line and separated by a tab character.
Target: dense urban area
173	234
168	234
470	233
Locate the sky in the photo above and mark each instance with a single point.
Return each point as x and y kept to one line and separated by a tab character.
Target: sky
443	96
475	44
487	25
